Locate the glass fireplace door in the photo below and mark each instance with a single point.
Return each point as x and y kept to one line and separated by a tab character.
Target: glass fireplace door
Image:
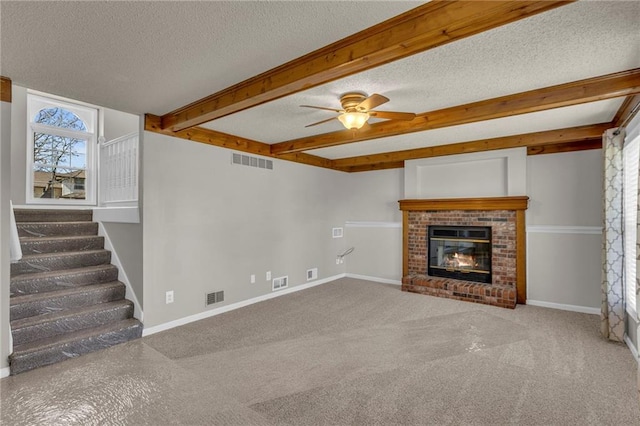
459	252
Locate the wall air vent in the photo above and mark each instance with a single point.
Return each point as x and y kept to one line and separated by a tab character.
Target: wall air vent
279	283
215	297
247	160
312	274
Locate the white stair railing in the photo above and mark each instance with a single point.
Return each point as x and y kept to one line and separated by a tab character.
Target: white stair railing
119	171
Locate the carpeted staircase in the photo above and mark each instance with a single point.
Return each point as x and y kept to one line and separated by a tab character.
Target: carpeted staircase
66	299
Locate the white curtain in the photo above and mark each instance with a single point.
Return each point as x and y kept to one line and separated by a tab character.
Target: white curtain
612	309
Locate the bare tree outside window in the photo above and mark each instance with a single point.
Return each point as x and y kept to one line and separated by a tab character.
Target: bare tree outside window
62	158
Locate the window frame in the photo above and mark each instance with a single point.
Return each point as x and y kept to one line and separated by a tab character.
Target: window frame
89	114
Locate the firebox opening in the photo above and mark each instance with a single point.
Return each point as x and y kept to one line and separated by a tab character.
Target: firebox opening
460	252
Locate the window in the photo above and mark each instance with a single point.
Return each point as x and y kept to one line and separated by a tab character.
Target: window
61	139
631	156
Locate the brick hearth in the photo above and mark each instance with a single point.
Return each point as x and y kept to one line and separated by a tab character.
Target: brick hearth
504	215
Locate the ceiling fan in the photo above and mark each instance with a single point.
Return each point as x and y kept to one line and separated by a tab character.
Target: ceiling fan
357	108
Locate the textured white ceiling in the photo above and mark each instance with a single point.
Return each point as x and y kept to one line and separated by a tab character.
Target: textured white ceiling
581	40
156	56
153	57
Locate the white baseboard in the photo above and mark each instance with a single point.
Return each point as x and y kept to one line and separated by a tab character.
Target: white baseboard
4	372
122	275
375	279
213	312
572	308
632	348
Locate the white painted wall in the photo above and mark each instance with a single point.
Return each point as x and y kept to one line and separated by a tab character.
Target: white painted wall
209	225
18	145
564	223
5	211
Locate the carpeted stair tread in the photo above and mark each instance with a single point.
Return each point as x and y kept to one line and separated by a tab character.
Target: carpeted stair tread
53	215
41	282
20	350
35	263
41	245
55	349
48	229
29	305
65	297
65	321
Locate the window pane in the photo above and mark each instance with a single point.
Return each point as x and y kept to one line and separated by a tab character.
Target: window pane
60	117
59	167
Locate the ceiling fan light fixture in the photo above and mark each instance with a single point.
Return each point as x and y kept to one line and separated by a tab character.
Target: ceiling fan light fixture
353	120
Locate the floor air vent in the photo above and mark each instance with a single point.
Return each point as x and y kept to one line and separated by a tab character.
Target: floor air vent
279	283
215	297
247	160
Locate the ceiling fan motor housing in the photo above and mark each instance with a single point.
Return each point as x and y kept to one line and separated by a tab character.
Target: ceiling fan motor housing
351	100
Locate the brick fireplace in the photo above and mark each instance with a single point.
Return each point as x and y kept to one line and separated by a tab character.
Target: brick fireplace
505	217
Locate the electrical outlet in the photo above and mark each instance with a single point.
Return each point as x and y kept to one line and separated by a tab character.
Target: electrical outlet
268	275
253	279
169	297
338	260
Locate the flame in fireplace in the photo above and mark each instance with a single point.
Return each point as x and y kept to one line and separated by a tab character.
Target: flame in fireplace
458	260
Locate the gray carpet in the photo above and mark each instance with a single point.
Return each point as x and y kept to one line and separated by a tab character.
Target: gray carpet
347	352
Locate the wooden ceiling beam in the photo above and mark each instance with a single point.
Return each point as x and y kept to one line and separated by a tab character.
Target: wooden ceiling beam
153	123
625	109
425	27
555	137
372	167
595	143
608	86
5	89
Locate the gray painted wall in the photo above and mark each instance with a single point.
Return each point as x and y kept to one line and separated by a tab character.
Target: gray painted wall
565	192
5	211
209	225
126	239
372	211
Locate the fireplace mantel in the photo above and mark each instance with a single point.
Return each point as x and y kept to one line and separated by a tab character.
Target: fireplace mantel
499	205
491	203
